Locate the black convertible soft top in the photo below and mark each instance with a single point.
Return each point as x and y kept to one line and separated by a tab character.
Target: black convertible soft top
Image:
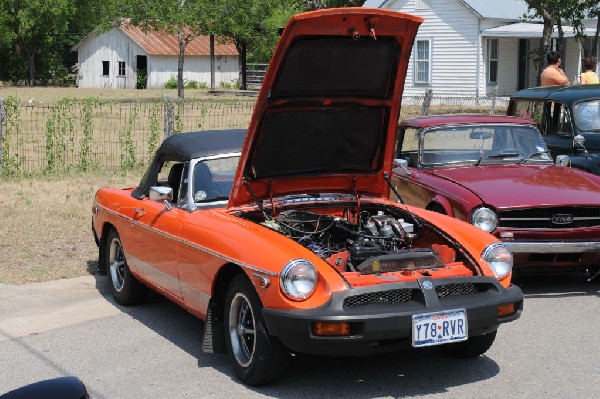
185	146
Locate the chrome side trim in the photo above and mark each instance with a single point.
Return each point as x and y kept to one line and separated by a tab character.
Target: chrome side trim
553	247
155	275
189	243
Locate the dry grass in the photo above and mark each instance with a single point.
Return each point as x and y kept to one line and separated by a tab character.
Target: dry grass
46	225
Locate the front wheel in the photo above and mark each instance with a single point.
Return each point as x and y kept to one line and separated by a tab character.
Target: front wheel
125	288
472	347
258	358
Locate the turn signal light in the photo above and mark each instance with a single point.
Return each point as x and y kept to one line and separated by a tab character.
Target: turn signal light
506	310
331	329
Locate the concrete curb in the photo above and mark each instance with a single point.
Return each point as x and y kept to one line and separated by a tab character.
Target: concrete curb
35	308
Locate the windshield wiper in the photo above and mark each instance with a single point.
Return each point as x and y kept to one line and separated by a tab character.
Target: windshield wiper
528	157
504	155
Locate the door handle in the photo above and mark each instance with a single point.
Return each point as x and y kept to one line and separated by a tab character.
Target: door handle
140	211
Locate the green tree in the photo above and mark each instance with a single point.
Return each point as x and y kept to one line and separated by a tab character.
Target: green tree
263	45
186	19
548	10
32	27
319	4
554	12
249	23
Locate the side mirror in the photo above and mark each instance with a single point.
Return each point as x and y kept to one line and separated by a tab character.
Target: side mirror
562	160
165	194
578	142
402	164
159	193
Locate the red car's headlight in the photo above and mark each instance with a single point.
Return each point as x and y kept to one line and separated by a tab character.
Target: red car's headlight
298	279
499	258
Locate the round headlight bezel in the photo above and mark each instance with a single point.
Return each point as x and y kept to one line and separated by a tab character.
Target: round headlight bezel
493	254
294	276
485	219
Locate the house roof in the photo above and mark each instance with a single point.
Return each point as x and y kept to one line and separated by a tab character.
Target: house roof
529	30
504	10
158	43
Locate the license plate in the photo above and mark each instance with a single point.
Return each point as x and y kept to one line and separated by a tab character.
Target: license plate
439	328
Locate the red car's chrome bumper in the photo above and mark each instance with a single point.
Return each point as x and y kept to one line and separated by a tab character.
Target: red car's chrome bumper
553	247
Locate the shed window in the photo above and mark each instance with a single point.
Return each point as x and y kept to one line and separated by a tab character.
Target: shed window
121	68
105	68
423	61
492	60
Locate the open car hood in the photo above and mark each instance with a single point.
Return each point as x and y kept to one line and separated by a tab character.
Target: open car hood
326	116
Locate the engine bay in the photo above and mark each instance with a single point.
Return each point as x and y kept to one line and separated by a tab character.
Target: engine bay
374	240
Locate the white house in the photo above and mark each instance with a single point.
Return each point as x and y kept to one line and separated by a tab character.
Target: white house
477	47
113	59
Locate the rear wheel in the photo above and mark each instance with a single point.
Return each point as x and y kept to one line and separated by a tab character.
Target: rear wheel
125	288
435	207
258	358
472	347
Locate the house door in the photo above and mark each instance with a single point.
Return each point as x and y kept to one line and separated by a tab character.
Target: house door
523	65
141	72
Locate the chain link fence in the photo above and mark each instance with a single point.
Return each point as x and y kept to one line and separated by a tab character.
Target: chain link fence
84	134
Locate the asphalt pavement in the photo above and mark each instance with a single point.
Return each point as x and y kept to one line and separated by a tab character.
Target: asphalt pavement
72	327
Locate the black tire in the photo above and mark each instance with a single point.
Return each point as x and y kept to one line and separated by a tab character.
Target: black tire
470	348
435	207
257	357
125	288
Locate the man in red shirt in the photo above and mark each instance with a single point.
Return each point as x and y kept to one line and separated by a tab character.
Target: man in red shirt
553	75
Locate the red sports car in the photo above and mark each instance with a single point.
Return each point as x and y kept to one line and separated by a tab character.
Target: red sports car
283	239
496	173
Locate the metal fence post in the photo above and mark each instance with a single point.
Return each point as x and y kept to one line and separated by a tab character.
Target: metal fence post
426	102
169	117
2	118
493	110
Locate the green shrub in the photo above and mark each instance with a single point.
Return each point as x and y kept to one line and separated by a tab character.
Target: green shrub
171	83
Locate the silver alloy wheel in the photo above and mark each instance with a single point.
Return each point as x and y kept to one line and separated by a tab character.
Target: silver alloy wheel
116	261
241	329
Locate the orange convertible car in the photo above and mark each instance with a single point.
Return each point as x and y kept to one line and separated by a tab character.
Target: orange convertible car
282	239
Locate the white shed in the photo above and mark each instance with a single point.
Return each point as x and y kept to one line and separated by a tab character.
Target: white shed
463	47
115	58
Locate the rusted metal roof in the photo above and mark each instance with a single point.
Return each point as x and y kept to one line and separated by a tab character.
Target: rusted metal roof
157	43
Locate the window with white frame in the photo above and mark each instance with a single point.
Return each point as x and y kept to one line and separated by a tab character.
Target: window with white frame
121	68
492	61
422	61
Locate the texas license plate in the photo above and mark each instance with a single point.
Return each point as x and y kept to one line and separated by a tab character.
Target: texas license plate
439	328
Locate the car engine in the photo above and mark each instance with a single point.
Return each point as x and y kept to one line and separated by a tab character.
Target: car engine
370	241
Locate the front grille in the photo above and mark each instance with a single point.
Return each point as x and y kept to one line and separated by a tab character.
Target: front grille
541	218
381	297
456	289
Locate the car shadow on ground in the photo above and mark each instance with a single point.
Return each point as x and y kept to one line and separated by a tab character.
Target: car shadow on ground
557	286
398	374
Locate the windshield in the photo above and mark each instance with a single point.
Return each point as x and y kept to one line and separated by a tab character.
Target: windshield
587	115
483	143
213	178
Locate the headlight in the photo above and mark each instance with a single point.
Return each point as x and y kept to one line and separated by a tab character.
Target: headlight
499	258
298	279
485	219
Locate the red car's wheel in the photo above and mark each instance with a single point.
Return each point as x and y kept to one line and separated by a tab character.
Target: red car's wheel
125	288
258	358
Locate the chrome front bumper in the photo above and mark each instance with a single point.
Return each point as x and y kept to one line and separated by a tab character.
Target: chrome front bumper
553	247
